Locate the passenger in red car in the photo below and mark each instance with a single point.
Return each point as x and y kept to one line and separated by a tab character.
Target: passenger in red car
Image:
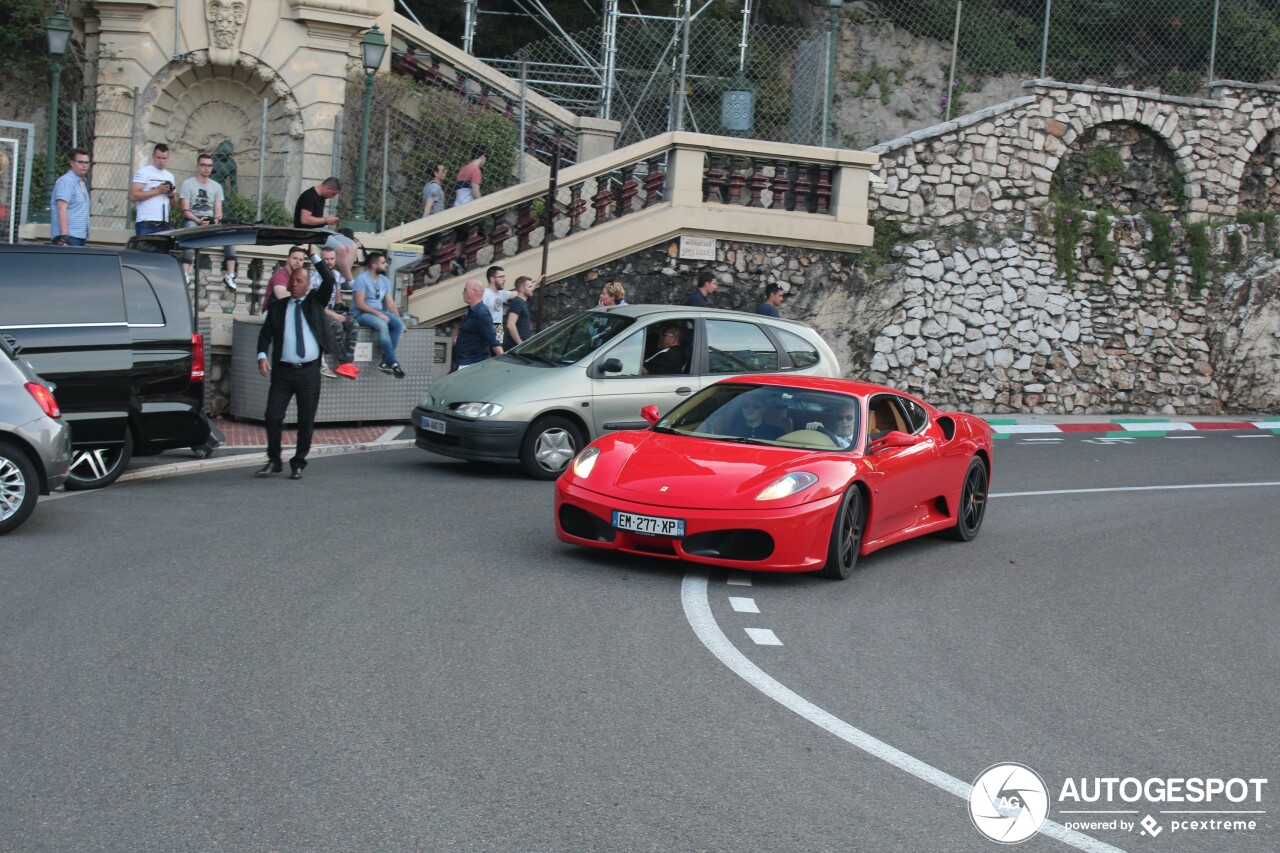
748	421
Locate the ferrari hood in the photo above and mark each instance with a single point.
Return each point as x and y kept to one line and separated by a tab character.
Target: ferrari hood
681	471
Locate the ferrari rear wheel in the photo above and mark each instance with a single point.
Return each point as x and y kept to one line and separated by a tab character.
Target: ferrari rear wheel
973	502
846	535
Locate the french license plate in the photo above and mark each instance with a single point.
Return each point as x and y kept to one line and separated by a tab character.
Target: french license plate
432	424
648	524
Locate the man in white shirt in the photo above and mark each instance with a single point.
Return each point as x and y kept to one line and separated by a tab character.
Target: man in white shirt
153	190
496	297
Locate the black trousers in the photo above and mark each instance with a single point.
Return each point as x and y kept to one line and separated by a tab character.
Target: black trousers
286	383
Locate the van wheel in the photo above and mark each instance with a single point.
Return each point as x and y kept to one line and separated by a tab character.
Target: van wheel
549	446
18	487
95	467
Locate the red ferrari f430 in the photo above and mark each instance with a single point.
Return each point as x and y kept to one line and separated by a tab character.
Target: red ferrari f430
780	473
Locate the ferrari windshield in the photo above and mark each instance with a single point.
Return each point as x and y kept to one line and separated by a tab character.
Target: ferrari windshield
768	414
575	338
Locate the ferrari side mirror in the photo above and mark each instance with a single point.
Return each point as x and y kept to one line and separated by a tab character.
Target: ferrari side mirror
895	438
650	414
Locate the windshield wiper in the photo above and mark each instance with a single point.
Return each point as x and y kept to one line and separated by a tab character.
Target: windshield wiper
666	430
533	356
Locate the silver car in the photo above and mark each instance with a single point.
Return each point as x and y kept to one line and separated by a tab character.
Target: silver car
35	442
592	373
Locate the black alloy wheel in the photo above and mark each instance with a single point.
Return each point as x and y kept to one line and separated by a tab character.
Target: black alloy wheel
95	467
846	535
973	502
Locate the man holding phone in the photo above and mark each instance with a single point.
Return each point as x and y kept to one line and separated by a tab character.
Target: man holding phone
153	190
201	198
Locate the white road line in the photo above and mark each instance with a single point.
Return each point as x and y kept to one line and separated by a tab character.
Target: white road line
743	605
693	595
1010	429
1253	436
1161	426
1184	437
1039	440
1133	489
739	579
763	637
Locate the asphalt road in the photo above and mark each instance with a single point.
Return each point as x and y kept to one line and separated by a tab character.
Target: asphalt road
396	654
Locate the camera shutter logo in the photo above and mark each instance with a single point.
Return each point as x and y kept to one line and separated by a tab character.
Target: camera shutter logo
1008	803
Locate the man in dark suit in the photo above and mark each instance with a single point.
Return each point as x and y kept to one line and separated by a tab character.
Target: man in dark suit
298	337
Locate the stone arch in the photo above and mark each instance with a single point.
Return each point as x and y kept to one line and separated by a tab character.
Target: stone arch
194	106
1122	165
1258	184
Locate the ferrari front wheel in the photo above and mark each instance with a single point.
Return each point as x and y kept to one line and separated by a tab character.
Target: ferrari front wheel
846	535
973	502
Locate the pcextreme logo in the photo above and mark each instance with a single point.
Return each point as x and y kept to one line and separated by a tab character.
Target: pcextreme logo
1010	802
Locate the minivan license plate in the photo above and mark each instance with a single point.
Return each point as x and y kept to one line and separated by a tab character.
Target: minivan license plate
648	524
432	424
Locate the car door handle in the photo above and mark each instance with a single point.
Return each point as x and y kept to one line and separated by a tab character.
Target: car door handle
685	391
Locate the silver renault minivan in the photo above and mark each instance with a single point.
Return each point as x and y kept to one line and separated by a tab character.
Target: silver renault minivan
591	373
35	442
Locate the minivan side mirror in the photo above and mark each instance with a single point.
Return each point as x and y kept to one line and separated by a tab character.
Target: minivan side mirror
649	413
610	365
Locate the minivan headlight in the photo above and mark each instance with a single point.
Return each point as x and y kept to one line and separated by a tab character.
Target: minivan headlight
787	486
477	410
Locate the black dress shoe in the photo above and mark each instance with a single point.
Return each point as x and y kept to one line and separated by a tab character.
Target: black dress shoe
295	472
269	468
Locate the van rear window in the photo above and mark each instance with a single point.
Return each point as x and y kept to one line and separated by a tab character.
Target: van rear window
60	287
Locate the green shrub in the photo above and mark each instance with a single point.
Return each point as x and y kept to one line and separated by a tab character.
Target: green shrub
1198	256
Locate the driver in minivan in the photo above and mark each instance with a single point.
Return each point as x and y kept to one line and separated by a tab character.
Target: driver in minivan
670	357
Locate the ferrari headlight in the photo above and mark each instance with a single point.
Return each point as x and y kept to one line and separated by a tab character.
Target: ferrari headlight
787	486
585	462
478	410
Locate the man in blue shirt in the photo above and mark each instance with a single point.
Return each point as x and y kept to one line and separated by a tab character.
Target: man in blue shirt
476	338
70	220
772	299
706	286
374	306
518	325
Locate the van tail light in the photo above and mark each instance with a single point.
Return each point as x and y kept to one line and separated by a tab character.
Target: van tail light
197	358
45	398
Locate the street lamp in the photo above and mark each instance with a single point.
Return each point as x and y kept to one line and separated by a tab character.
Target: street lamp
833	29
58	31
372	48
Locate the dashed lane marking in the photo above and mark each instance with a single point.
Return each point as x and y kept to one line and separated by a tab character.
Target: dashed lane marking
739	579
743	605
697	610
763	637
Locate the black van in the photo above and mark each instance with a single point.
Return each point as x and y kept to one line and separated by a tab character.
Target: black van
113	331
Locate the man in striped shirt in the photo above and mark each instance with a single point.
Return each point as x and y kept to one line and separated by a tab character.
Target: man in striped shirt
70	221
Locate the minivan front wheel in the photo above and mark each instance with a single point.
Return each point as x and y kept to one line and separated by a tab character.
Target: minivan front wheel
95	467
549	446
18	487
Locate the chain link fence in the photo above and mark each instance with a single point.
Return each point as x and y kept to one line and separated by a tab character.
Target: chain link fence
783	69
415	126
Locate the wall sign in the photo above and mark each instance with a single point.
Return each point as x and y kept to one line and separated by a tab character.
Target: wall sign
698	248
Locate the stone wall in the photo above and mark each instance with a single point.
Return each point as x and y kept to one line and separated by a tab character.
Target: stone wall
988	325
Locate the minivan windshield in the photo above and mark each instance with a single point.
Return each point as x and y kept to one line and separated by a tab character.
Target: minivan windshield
575	338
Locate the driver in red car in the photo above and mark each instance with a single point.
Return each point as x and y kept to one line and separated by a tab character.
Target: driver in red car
846	418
